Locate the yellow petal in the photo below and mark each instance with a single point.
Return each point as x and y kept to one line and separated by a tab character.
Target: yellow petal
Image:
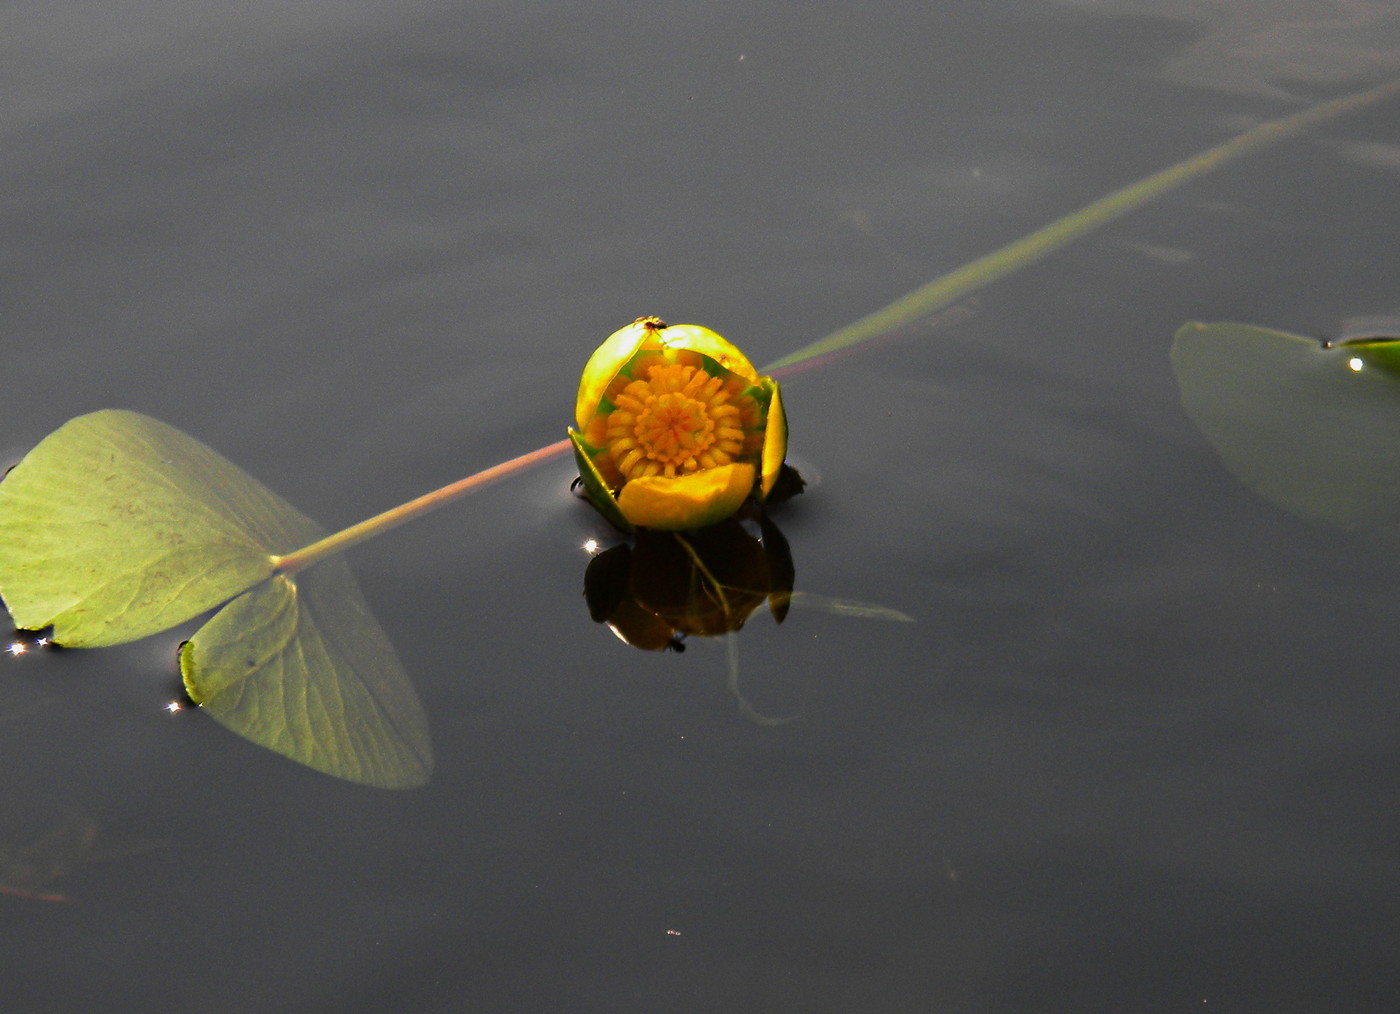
605	363
686	501
775	439
609	358
707	343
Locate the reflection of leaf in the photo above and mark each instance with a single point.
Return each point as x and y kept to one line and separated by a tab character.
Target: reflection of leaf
1313	428
300	666
117	526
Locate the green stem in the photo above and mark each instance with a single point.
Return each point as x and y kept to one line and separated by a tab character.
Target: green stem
951	287
380	523
923	301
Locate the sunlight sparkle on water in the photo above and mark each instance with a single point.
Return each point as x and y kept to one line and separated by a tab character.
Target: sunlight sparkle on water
18	648
591	547
1355	363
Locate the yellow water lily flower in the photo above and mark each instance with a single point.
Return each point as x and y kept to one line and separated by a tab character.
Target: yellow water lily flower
676	429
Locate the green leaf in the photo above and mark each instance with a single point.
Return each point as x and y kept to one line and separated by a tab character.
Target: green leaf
1313	428
300	666
117	526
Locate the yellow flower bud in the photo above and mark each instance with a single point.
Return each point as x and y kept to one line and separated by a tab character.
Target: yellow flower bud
676	429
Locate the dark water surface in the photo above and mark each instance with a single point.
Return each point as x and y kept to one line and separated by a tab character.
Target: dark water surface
1138	752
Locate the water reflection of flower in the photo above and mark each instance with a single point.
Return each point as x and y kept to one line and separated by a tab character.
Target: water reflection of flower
664	586
676	429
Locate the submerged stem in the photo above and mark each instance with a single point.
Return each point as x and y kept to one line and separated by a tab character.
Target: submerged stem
926	299
949	288
346	538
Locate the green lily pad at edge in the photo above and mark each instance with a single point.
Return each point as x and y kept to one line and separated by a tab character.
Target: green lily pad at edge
117	526
1313	428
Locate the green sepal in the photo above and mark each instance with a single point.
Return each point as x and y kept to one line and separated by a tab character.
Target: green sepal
596	489
775	439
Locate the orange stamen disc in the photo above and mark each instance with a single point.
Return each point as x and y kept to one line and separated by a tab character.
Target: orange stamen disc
675	421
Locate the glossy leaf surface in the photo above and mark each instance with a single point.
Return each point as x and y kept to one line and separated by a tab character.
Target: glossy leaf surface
117	526
299	665
1313	428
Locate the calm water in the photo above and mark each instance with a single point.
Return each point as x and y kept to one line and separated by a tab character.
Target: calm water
1138	752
